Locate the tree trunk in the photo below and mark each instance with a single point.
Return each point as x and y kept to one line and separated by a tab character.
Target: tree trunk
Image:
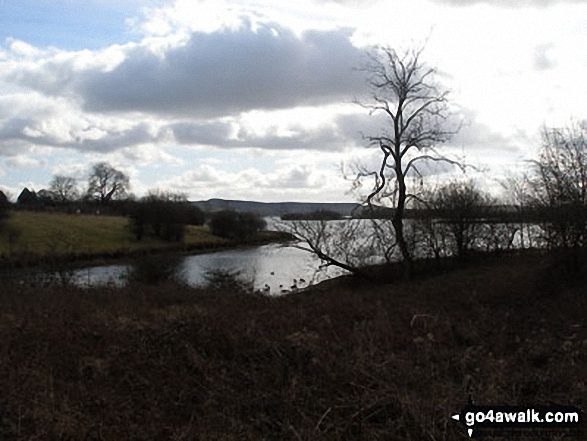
398	220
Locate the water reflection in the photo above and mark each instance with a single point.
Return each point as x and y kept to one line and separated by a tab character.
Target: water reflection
273	269
155	269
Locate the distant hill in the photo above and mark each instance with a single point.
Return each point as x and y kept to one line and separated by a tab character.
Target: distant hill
274	208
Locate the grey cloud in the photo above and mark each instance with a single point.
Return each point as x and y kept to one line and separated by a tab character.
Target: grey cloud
345	131
479	136
116	139
50	77
206	133
217	133
298	177
15	129
228	72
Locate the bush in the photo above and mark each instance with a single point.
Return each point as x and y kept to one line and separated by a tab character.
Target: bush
233	225
559	196
455	218
559	187
163	216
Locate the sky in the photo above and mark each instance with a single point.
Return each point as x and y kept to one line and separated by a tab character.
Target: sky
257	100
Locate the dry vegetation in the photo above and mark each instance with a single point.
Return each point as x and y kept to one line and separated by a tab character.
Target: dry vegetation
345	360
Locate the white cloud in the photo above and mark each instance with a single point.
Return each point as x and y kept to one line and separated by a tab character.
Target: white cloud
292	182
508	3
21	48
259	90
23	162
222	73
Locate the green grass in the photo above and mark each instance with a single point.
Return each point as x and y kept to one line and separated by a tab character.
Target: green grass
43	235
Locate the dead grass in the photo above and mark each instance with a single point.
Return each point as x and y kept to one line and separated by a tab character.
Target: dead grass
346	360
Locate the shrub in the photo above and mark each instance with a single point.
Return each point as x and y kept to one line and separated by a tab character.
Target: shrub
559	195
164	216
455	215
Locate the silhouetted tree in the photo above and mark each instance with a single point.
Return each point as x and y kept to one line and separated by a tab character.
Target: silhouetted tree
106	183
559	190
164	215
404	91
64	187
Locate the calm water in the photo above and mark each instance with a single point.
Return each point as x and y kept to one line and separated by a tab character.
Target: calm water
272	268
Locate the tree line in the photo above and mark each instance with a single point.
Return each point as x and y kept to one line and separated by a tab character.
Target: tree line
162	214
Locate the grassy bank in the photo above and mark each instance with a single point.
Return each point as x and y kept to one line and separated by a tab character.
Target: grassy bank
58	236
342	361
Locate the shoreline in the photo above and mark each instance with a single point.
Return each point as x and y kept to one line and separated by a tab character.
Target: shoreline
84	260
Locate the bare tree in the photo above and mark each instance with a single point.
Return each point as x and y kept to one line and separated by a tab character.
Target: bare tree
64	187
559	186
403	89
106	183
345	244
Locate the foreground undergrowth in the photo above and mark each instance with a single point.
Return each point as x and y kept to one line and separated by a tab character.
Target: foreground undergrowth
346	360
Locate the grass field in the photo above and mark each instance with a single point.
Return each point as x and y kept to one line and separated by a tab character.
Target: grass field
343	361
48	235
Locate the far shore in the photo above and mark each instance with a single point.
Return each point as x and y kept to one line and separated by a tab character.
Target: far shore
49	239
84	260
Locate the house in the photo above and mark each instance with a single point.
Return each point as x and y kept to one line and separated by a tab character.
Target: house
26	197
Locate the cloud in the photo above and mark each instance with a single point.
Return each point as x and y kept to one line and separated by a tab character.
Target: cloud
209	75
228	72
295	177
24	49
91	138
479	137
508	3
216	181
233	134
23	162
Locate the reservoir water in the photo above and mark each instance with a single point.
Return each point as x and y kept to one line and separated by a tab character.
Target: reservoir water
273	268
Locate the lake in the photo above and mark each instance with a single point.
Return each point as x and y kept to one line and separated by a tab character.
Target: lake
273	268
